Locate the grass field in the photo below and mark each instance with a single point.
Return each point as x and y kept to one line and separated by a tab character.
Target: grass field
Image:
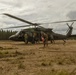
16	58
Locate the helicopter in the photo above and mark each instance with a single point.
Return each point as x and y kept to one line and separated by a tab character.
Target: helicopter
34	34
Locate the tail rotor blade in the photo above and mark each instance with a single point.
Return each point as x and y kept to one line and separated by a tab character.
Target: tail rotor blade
67	24
72	24
67	31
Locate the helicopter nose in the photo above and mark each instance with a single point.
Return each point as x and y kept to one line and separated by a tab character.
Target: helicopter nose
12	37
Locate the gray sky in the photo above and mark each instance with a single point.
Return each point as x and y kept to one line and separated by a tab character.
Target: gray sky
40	11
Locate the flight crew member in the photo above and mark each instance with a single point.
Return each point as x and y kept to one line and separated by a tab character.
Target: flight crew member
44	38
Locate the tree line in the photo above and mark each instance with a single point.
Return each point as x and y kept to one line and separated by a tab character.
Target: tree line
5	34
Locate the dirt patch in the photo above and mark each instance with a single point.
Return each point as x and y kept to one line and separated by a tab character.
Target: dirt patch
16	58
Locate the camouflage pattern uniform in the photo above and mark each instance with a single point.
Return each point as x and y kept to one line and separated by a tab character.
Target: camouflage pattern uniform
52	39
45	39
26	38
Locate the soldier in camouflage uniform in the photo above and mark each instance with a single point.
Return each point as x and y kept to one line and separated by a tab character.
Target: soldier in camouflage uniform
44	38
52	38
26	38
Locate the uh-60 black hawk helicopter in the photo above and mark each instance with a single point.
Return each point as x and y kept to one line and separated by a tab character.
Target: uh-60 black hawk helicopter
34	34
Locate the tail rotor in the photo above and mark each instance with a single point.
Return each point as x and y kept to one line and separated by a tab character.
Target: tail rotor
70	26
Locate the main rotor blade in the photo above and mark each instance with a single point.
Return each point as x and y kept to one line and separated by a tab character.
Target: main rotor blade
64	21
17	26
58	22
19	19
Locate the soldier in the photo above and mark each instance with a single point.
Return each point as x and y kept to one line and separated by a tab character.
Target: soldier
52	39
44	38
34	37
26	38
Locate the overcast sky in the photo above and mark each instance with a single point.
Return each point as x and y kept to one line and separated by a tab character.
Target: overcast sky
39	11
